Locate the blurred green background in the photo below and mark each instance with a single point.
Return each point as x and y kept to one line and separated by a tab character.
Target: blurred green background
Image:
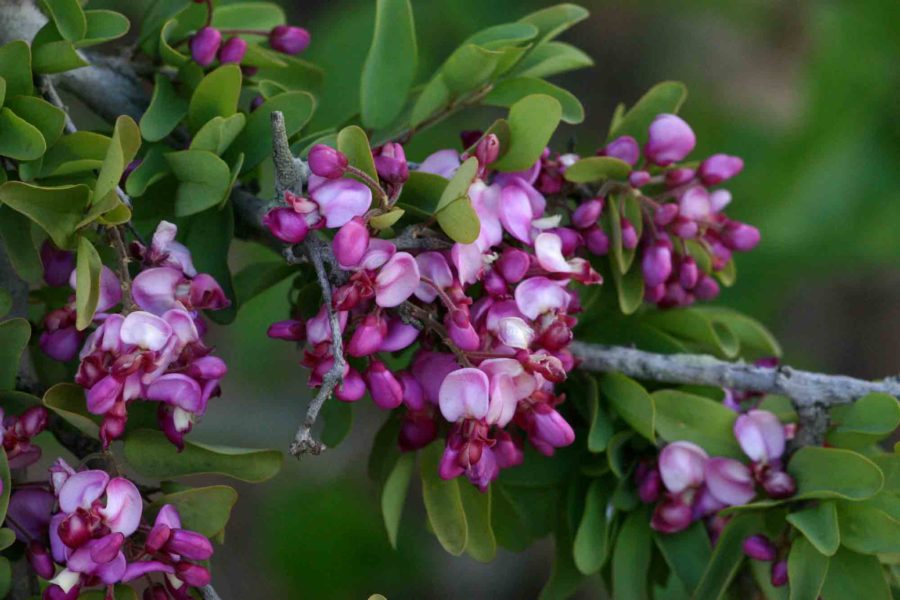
806	92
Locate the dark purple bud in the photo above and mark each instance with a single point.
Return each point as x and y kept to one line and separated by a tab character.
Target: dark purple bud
391	164
368	337
289	330
204	46
684	228
54	592
288	39
286	224
677	177
386	391
778	484
665	214
40	560
740	236
670	139
624	148
58	264
780	573
488	150
327	162
629	234
650	487
639	178
352	388
189	544
193	575
656	265
417	430
597	241
157	538
719	167
470	136
233	51
106	548
256	102
758	547
513	264
688	273
655	294
706	288
587	214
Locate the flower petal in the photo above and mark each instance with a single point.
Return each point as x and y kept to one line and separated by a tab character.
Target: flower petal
342	199
81	489
122	512
397	280
464	394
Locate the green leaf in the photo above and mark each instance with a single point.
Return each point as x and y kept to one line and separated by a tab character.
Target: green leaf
665	97
48	119
421	193
87	289
258	277
434	96
103	26
15	68
853	576
459	184
14	336
20	140
617	207
165	112
727	275
388	219
169	54
631	558
153	167
750	333
393	494
68	17
2	91
6	482
338	418
216	96
469	67
819	524
601	427
865	422
834	473
597	168
255	141
248	15
592	537
205	180
707	423
78	152
443	503
687	553
480	541
565	579
532	122
385	452
218	133
5	576
208	235
632	402
553	58
16	233
629	289
510	525
56	57
354	143
7	536
553	20
459	221
151	454
126	139
509	91
68	401
205	510
806	570
298	75
726	557
57	210
390	65
695	326
868	530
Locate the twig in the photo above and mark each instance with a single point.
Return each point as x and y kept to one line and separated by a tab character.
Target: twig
208	592
128	304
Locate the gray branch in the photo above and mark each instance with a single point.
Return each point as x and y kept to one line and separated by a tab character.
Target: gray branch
208	592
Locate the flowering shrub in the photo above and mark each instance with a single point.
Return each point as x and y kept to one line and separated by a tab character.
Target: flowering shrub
528	319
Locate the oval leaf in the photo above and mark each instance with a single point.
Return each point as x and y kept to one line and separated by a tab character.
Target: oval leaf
443	503
390	65
532	121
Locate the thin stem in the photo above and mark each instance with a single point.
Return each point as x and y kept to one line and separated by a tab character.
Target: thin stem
450	110
372	183
128	304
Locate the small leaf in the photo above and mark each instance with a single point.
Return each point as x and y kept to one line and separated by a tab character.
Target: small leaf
20	140
56	57
601	427
390	65
68	17
338	418
68	401
469	67
865	422
834	473
443	502
103	26
509	91
421	193
216	96
553	58
806	570
205	510
592	538
16	233
57	210
87	289
819	524
218	133
205	180
354	143
459	221
388	219
255	141
631	558
632	402
393	494
48	119
726	557
707	423
126	139
692	325
208	235
532	122
153	167
868	530
687	553
14	336
151	454
629	289
751	334
665	97
165	112
459	184
434	96
15	68
553	20
7	537
298	75
854	576
480	542
597	168
79	152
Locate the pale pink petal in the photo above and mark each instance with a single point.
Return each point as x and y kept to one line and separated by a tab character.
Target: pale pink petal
342	199
442	162
433	266
681	466
548	249
154	289
515	333
145	330
123	509
397	280
81	489
729	481
468	260
516	213
538	295
503	400
377	254
464	394
178	390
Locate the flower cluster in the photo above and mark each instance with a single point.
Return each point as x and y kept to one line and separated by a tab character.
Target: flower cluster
90	525
155	353
16	433
688	485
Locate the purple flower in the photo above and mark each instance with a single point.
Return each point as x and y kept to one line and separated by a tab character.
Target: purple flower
232	51
58	264
670	140
288	39
327	162
760	435
681	466
718	168
286	224
624	148
758	547
204	46
729	481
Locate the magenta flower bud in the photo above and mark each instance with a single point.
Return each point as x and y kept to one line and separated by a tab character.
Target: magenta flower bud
655	294
232	51
461	331
671	515
639	179
193	575
629	234
551	428
189	544
352	388
40	560
779	573
58	264
368	336
587	213
758	547
597	241
289	330
327	162
386	391
74	531
685	228
670	139
706	288
417	430
719	167
350	243
656	264
204	46
54	592
677	177
665	214
778	484
650	487
287	225
624	148
570	239
688	273
391	164
740	236
729	481
513	264
507	451
760	435
488	150
157	537
288	39
681	466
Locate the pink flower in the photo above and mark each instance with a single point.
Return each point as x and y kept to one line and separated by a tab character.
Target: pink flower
670	139
204	46
681	466
624	148
760	435
232	51
286	224
538	295
718	168
288	39
729	481
397	280
350	243
327	162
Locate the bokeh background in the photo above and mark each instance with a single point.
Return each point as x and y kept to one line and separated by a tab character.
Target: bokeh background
806	91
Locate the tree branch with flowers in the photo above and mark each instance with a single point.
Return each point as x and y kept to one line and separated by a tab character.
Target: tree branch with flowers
533	322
